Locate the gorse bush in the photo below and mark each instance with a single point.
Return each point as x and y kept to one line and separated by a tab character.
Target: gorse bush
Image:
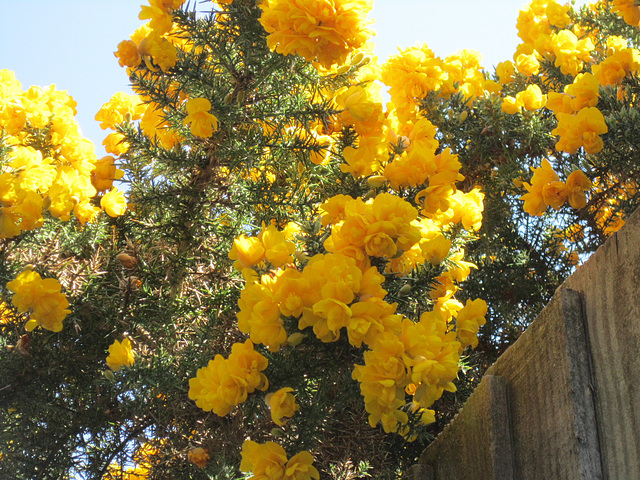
276	275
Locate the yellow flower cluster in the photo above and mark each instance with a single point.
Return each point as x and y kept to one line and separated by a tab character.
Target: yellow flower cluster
268	461
59	177
322	31
543	28
341	291
271	245
380	227
321	296
124	108
421	360
334	292
225	383
550	35
41	298
629	10
581	130
416	71
152	42
546	189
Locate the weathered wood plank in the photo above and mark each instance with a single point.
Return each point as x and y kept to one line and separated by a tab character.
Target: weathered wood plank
552	408
477	444
572	381
609	284
548	427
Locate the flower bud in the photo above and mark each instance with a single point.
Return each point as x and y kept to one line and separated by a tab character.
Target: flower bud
404	290
463	116
370	194
343	69
357	59
108	374
295	338
404	142
127	261
301	256
377	181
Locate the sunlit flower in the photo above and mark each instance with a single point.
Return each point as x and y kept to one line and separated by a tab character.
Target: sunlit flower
41	298
120	354
202	123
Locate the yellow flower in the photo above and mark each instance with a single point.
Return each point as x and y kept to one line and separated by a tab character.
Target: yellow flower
225	383
115	143
531	98
299	467
199	456
629	10
613	69
583	129
160	20
120	354
127	54
290	291
469	320
277	249
584	90
554	194
259	316
246	251
510	105
506	72
435	249
282	404
43	299
203	123
105	173
558	14
527	64
121	107
577	185
158	48
266	461
114	203
534	200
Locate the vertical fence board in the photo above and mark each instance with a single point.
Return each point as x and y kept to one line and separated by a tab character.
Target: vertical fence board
609	284
477	443
550	417
550	437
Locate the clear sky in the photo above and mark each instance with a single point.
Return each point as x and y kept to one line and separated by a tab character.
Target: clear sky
70	43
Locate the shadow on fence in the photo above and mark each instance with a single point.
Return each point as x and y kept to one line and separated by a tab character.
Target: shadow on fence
563	402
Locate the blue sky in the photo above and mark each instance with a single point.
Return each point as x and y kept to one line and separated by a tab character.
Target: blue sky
70	43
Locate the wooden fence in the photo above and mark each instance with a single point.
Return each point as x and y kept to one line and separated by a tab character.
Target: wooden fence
563	402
